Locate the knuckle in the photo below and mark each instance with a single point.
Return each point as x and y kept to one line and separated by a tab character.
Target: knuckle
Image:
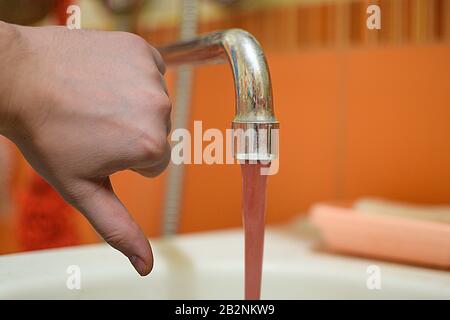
132	37
132	40
163	103
158	60
120	237
158	102
115	240
74	193
162	66
153	147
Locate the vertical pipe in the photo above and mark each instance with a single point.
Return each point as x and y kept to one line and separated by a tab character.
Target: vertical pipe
183	94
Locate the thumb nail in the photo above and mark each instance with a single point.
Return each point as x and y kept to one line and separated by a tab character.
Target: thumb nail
139	265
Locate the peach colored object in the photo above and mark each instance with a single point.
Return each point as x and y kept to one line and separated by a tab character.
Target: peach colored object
437	213
386	237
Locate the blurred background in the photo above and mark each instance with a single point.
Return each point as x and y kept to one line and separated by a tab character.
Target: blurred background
362	112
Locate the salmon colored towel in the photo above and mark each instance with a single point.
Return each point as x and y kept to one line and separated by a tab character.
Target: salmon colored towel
382	236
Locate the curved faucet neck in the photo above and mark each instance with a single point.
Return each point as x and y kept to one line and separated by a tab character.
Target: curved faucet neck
253	88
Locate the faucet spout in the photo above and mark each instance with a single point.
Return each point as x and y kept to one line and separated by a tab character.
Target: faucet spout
254	124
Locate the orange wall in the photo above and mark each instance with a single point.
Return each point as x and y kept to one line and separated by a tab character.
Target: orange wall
353	123
398	124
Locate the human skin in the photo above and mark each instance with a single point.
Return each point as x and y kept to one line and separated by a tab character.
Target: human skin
82	105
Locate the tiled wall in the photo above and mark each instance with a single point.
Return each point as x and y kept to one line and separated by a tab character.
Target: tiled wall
325	23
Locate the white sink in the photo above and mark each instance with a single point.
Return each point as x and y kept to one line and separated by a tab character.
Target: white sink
210	266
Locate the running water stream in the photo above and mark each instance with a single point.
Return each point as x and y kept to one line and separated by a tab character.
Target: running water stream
253	210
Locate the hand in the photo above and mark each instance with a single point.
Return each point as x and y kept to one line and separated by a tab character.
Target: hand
82	105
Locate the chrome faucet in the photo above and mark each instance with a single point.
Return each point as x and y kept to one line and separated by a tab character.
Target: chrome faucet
254	123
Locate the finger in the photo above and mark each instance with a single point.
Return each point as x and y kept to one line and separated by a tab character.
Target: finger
152	169
159	60
111	220
168	126
164	85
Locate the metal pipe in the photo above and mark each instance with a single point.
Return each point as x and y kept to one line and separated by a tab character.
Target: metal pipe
253	88
183	93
